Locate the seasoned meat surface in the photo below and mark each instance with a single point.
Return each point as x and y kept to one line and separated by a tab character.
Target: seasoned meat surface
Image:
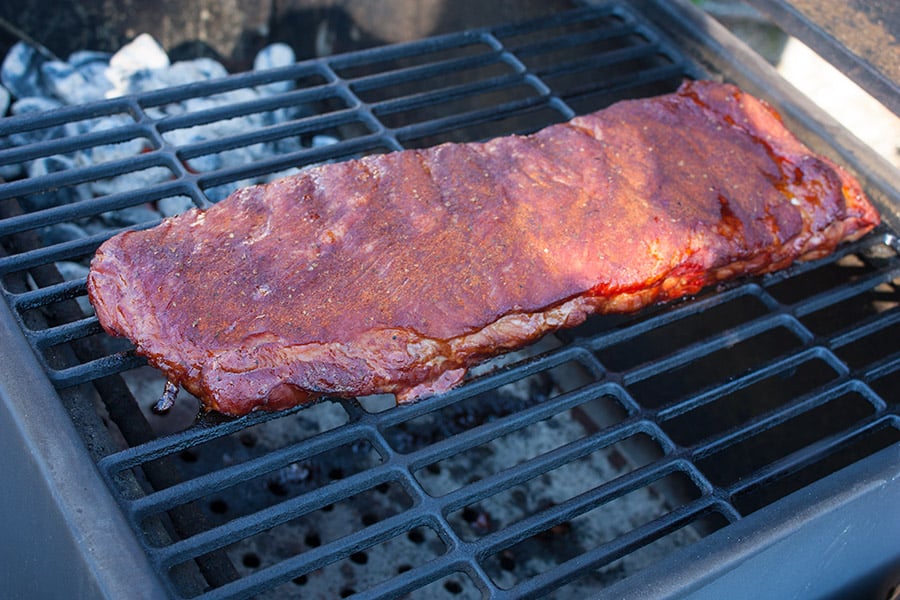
394	273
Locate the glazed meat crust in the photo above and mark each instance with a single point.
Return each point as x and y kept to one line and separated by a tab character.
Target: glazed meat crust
394	273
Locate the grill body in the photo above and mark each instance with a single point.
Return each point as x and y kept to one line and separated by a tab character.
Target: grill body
765	413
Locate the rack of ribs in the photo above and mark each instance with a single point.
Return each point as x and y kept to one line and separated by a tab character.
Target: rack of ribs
395	273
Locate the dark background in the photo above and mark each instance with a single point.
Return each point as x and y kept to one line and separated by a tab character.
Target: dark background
233	31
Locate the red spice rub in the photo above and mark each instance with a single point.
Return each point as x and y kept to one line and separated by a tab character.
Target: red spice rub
394	273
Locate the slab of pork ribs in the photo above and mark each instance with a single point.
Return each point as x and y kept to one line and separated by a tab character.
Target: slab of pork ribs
394	273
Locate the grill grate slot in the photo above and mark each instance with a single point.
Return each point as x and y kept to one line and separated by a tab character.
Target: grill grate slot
555	471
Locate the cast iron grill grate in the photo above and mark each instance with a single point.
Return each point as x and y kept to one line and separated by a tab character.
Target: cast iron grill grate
701	412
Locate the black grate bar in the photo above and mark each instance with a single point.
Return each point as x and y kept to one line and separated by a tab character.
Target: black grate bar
550	460
66	333
811	454
780	415
58	292
60	252
879	237
514	422
849	290
241	527
473	117
622	86
539	585
65	145
573	507
429	97
69	212
866	328
291	567
354	431
94	369
553	101
213	87
881	368
451	562
705	347
291	99
270	133
493	380
607	59
543	463
229	476
158	448
28	122
610	31
346	148
24	187
161	447
544	69
383	79
764	371
394	52
210	540
662	318
564	19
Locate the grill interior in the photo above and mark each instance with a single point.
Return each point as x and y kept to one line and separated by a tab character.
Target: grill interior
556	471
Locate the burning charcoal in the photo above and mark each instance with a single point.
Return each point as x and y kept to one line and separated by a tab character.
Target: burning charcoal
175	205
8	172
479	520
180	73
110	152
144	52
220	129
215	194
323	140
280	482
133	215
204	163
130	181
92	65
67	84
21	71
32	105
139	81
284	146
195	135
71	271
4	101
237	157
135	62
296	473
44	166
39	104
61	232
270	57
13	170
245	155
196	105
200	69
285	173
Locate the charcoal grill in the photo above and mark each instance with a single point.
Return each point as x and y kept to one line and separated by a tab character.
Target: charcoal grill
759	421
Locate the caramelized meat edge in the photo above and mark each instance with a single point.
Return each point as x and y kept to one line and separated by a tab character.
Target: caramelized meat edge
395	273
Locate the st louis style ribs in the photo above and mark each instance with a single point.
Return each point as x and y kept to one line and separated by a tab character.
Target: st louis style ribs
394	273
